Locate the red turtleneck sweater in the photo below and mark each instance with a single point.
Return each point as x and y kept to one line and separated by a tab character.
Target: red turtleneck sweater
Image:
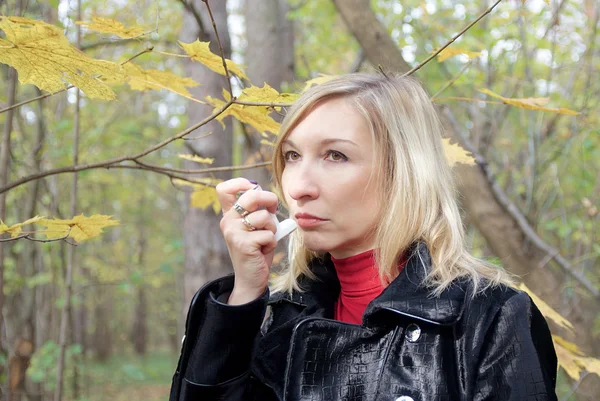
360	284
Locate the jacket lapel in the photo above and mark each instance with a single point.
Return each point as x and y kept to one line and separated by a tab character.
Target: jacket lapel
405	296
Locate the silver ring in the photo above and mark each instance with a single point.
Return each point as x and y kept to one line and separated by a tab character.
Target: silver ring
243	212
248	224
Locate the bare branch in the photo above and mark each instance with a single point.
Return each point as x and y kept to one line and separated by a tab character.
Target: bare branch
190	7
30	238
452	40
113	162
203	171
262	104
146	50
451	82
24	102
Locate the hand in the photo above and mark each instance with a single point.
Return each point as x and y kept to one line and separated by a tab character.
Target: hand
251	252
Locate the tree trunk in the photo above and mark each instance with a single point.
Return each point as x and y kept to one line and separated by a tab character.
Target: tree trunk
205	252
102	338
4	166
63	338
269	58
493	221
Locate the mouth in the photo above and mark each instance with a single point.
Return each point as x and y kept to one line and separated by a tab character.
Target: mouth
306	220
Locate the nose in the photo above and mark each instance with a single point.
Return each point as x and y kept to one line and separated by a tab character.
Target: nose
301	183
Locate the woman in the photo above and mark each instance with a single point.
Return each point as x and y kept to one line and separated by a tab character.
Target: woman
380	300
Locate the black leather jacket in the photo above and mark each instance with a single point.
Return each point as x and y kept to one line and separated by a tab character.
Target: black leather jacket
409	347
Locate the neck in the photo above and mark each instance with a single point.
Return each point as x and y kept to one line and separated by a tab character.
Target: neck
357	273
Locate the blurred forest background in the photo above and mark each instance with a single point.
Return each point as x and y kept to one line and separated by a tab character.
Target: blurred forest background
117	302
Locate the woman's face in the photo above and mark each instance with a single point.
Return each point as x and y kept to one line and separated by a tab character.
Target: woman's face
329	182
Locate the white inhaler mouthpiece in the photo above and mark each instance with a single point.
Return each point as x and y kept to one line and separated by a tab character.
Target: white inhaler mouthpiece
285	227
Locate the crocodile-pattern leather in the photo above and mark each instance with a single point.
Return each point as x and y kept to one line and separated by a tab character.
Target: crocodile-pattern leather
410	347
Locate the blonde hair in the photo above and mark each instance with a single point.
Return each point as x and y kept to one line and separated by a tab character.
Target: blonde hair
419	201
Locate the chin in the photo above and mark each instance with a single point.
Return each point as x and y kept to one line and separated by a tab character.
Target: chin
316	243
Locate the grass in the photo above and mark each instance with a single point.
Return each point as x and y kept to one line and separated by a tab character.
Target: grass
129	377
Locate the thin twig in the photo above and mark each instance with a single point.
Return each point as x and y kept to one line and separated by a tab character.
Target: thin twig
204	171
147	50
24	102
262	104
198	137
30	238
466	99
448	84
173	54
428	59
214	24
516	214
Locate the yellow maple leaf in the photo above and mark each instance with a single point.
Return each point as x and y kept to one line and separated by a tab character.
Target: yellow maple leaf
456	153
532	103
316	81
203	195
16	229
197	159
255	116
143	80
199	51
266	94
268	143
43	56
452	51
566	359
572	360
546	310
82	228
107	25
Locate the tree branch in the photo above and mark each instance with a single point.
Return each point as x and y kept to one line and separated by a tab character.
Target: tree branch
212	19
113	162
452	40
190	7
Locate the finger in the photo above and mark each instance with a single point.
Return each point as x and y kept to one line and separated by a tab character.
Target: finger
254	200
261	220
251	241
227	191
266	240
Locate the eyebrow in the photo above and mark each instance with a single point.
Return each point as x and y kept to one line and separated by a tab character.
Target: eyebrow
326	141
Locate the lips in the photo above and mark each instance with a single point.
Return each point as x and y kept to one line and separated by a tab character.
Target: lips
307	216
306	220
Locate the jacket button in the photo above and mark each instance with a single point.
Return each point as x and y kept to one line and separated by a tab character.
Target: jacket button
404	398
413	333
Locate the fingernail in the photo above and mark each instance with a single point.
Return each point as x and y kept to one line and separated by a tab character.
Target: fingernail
253	182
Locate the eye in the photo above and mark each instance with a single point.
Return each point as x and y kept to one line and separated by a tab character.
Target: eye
291	156
336	156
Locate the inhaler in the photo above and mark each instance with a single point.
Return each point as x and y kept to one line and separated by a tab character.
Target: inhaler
285	227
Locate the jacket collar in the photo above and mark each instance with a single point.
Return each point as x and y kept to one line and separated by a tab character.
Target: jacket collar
405	296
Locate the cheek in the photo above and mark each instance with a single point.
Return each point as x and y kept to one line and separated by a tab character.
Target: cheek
284	181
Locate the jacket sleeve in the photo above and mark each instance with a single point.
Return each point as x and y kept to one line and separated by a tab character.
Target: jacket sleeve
518	360
217	347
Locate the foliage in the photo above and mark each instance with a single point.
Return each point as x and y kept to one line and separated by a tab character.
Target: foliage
43	56
43	364
80	228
